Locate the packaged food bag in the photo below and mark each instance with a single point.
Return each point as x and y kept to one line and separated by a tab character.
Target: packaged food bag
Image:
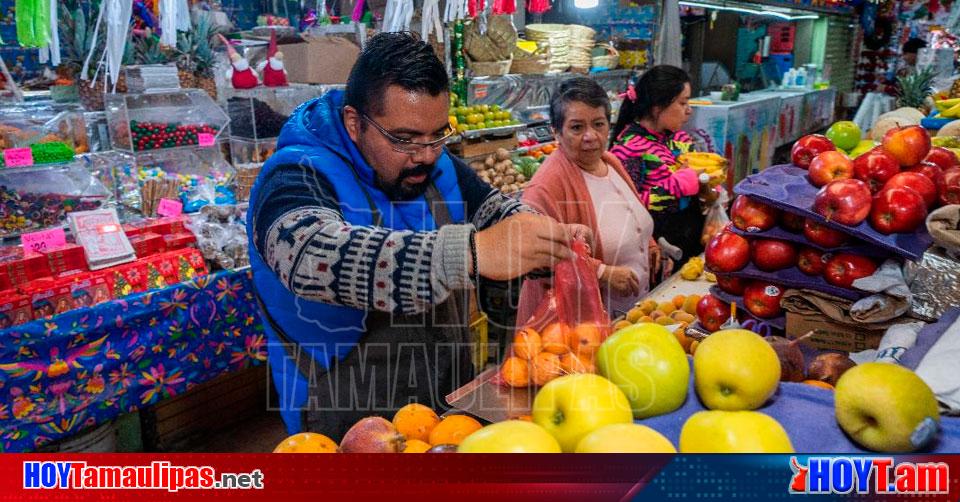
564	332
716	218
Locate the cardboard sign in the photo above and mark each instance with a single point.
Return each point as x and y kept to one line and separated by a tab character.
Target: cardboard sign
45	240
206	139
18	157
169	208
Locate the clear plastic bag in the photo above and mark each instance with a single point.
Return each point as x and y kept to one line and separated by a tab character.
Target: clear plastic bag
564	332
716	217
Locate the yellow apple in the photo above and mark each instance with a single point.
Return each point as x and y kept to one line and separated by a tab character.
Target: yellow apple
880	405
733	432
735	369
625	438
512	436
649	365
572	406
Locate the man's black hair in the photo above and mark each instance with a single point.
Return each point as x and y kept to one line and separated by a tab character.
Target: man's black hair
913	45
401	59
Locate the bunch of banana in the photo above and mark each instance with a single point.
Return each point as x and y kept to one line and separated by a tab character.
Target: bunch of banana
692	269
712	164
948	108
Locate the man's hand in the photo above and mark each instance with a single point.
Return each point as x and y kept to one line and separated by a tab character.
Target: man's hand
521	243
622	280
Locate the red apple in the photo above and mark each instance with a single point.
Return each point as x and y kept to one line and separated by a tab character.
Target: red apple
898	209
830	166
712	312
844	268
943	158
909	145
808	147
930	170
810	261
762	299
791	222
949	187
752	215
823	235
772	254
844	201
875	168
918	182
727	252
731	284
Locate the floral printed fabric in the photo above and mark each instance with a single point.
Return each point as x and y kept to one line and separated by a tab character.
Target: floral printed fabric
61	375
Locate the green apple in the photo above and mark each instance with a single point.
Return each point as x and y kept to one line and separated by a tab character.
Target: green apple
625	438
844	134
886	407
512	436
649	365
735	369
572	406
733	432
863	147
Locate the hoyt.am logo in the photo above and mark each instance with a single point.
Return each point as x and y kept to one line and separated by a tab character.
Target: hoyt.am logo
879	475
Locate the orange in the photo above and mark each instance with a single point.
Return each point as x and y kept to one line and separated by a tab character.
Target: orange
416	446
572	363
634	314
554	340
666	320
679	300
818	383
516	372
690	304
546	367
415	421
621	324
648	306
585	339
666	307
526	344
682	337
682	316
656	314
452	429
645	318
693	346
306	442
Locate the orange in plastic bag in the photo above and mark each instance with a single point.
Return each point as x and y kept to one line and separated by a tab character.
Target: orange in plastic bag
565	331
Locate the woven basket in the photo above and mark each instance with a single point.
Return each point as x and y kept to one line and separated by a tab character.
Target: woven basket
489	68
526	63
610	60
494	45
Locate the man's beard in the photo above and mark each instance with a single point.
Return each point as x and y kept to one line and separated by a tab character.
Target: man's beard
398	191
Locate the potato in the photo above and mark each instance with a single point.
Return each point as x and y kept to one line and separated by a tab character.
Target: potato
490	161
502	154
498	180
509	179
521	178
478	165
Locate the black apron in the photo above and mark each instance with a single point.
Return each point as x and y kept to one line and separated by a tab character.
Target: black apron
401	359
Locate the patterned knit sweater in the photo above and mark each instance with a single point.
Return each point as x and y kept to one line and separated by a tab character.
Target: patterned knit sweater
304	239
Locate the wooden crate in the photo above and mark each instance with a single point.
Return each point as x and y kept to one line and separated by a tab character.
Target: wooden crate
483	146
173	424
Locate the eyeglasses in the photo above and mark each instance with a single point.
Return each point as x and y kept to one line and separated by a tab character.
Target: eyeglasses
412	147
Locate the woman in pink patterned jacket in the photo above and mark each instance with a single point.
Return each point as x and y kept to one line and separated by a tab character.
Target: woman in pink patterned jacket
648	140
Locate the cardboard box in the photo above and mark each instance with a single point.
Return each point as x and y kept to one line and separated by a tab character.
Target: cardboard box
179	241
483	146
320	60
147	244
14	309
831	335
90	289
50	297
66	258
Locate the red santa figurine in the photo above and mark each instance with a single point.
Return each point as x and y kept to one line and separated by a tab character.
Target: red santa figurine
272	68
240	74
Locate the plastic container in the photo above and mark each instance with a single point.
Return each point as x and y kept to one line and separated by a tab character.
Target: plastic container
26	124
786	187
191	174
782	36
35	198
165	119
260	113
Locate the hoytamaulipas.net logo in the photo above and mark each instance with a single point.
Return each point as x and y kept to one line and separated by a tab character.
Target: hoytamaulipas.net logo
878	475
159	475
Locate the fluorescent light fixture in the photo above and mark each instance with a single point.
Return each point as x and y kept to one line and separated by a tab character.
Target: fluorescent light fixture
586	4
745	10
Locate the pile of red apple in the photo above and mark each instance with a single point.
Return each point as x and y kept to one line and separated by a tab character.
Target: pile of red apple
894	184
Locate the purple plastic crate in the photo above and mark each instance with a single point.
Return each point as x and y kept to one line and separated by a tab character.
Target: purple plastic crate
856	247
793	278
779	322
786	187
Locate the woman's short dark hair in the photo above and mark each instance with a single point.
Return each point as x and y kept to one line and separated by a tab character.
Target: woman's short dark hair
393	59
578	89
656	88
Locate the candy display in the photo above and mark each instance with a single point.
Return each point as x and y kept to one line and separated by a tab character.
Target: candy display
195	177
34	198
155	135
29	124
221	234
51	153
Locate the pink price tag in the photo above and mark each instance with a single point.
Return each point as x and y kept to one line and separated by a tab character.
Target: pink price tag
169	208
18	157
205	139
44	240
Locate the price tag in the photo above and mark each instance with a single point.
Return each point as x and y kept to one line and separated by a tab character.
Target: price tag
205	139
44	240
169	208
18	157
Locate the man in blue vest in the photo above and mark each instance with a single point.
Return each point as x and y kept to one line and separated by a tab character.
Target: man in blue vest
366	238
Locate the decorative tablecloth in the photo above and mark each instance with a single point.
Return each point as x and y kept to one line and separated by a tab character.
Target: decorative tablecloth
61	375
